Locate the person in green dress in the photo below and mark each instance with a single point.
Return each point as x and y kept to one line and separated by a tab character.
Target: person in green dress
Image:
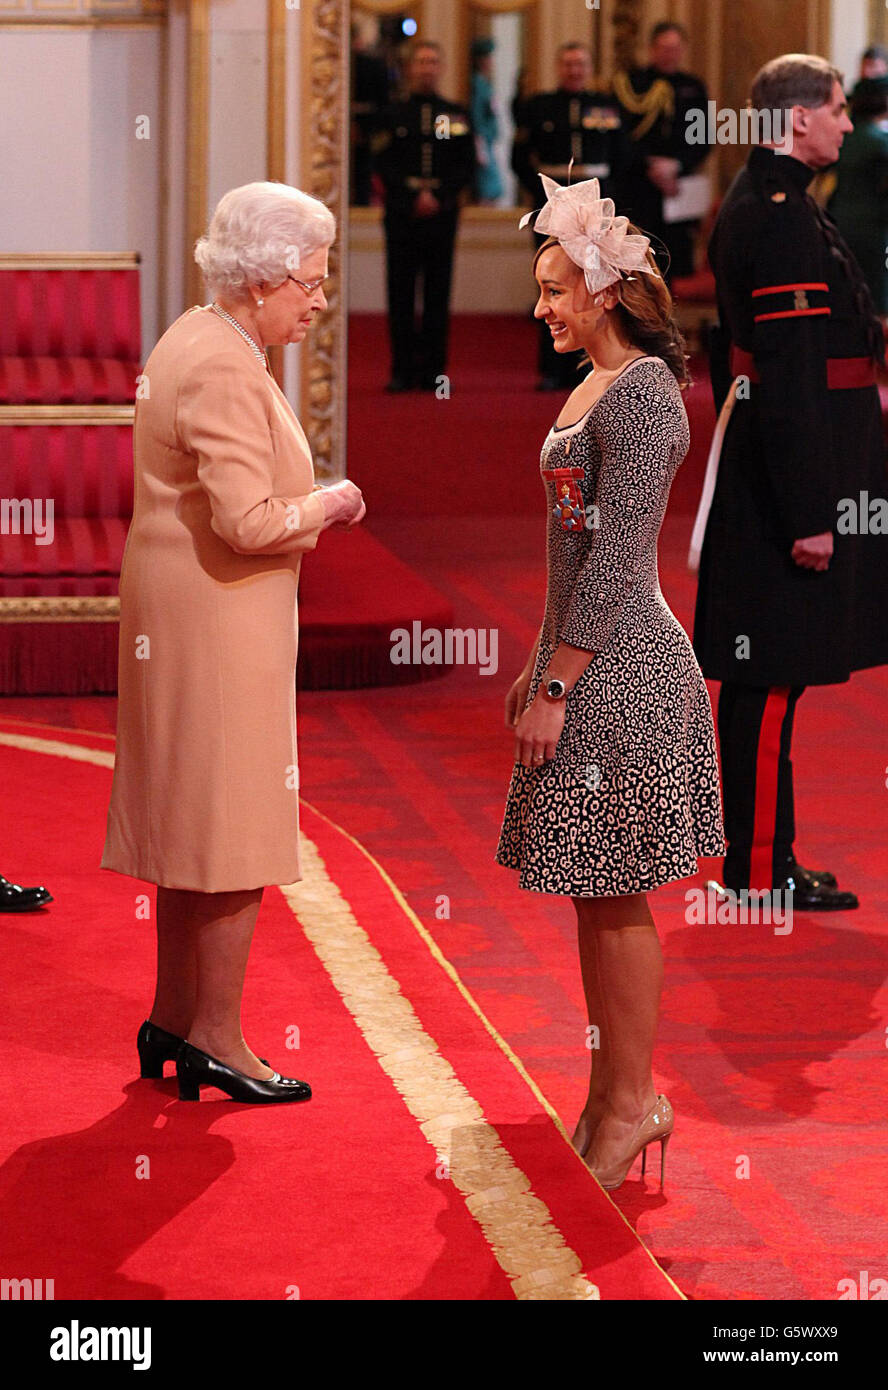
489	186
859	203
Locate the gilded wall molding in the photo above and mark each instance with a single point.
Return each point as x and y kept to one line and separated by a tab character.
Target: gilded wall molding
91	13
98	413
276	127
70	260
324	51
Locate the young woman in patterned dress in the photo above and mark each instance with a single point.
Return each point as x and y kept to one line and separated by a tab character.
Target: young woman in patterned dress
615	788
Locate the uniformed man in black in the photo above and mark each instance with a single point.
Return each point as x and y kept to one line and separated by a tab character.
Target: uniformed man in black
572	123
424	152
657	100
789	596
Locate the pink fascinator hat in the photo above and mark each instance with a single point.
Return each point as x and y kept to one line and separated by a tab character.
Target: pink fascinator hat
591	234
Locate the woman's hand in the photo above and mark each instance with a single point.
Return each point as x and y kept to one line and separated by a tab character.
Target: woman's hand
343	504
517	697
355	519
538	731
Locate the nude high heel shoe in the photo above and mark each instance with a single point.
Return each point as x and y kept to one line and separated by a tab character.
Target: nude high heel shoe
656	1127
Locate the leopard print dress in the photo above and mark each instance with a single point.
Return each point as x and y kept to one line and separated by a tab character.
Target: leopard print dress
631	799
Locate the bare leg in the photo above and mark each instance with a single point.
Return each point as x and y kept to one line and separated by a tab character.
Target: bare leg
175	994
630	966
203	943
599	1060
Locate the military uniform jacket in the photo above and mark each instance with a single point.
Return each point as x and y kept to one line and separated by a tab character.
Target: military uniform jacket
666	136
661	134
555	127
796	453
424	142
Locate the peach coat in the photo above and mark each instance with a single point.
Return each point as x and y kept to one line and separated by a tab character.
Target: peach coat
205	783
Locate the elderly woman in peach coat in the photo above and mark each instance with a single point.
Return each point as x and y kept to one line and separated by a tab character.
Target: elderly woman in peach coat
204	801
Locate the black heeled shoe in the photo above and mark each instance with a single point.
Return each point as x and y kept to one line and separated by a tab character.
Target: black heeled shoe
195	1069
157	1046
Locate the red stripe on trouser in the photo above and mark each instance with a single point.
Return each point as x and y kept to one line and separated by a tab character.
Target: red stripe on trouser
761	862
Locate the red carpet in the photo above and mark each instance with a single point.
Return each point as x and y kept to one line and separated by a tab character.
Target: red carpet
114	1189
772	1049
422	457
352	596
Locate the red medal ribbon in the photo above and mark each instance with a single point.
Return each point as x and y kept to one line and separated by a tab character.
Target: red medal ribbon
569	507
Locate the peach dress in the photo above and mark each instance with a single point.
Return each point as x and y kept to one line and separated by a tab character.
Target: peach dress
205	783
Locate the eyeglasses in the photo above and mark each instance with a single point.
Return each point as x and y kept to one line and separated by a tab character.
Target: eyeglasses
311	286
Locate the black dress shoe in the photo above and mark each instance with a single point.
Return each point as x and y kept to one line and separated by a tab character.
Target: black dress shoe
14	898
806	897
157	1046
816	896
398	385
813	876
195	1069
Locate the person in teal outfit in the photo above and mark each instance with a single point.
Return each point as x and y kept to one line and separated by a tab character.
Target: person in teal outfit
488	179
859	204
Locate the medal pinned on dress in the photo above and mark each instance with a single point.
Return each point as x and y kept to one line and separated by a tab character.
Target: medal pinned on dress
568	507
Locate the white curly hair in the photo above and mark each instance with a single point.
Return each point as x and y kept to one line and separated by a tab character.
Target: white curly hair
259	233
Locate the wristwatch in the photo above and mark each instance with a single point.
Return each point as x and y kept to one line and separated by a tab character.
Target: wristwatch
555	690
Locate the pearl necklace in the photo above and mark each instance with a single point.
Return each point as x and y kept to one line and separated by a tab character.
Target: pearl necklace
223	314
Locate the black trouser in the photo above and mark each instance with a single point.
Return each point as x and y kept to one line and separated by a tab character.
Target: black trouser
419	247
755	732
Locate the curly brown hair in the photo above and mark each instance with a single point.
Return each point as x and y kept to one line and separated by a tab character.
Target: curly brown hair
646	314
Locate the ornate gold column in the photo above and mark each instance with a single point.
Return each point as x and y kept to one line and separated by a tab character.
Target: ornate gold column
323	135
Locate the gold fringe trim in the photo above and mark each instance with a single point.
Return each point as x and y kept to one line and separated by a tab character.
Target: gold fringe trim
96	414
658	100
518	1227
70	260
59	609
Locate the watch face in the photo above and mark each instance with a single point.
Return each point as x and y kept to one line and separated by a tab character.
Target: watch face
556	689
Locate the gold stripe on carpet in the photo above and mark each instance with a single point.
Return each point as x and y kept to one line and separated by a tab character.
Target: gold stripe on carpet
450	970
519	1228
100	756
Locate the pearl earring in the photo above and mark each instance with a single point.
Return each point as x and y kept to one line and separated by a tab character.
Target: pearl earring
259	303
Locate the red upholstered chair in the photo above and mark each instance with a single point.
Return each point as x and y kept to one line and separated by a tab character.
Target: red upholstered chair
70	328
58	600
